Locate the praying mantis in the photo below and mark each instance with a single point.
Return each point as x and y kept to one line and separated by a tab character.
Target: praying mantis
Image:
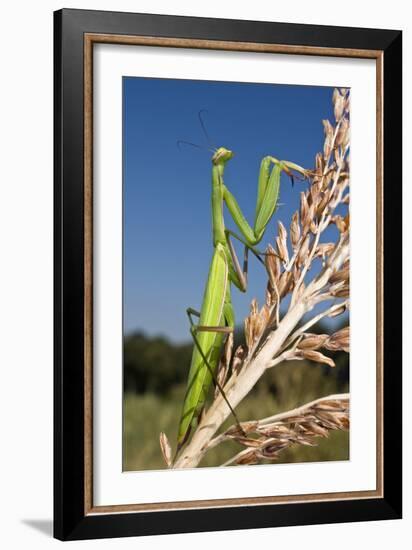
216	317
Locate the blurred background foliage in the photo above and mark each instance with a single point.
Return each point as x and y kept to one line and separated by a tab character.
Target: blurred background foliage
155	372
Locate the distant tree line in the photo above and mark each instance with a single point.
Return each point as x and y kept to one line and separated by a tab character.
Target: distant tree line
154	364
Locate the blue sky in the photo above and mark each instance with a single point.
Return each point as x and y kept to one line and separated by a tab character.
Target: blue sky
167	213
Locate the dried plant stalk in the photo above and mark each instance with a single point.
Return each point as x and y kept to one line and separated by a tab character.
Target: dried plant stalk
271	338
301	426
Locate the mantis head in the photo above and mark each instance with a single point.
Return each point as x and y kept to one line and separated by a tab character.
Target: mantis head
222	155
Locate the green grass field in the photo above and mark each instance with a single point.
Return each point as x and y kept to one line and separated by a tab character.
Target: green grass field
286	386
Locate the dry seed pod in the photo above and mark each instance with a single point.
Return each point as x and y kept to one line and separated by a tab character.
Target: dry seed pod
247	457
238	358
249	331
311	213
281	241
304	212
294	419
255	322
304	250
268	298
221	377
250	323
341	292
285	283
295	230
317	357
275	430
337	312
328	178
342	136
313	227
271	294
166	449
264	314
328	145
223	367
339	340
228	348
341	276
345	423
323	202
247	427
340	223
329	405
313	341
272	451
338	104
296	275
317	429
347	104
249	442
272	265
346	219
282	231
268	454
329	419
314	190
324	249
319	164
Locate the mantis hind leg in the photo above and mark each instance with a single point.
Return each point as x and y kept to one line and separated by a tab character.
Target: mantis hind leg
228	314
203	328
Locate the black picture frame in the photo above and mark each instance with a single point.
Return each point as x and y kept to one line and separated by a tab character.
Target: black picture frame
71	521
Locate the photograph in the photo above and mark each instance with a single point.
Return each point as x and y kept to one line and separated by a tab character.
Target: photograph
236	268
227	273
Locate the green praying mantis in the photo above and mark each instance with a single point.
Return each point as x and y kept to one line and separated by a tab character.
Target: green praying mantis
216	317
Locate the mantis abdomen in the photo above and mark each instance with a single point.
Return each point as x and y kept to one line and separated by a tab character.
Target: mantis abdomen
212	315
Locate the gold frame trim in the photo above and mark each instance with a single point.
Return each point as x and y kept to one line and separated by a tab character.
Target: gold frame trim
89	40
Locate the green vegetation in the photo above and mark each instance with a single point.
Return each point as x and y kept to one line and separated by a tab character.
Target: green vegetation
155	373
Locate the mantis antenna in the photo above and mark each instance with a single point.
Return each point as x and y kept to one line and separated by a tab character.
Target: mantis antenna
180	141
202	123
211	147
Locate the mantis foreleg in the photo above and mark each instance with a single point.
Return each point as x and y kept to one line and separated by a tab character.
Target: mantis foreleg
237	275
267	199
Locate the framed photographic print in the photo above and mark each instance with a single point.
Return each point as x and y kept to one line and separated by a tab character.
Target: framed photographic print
227	274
